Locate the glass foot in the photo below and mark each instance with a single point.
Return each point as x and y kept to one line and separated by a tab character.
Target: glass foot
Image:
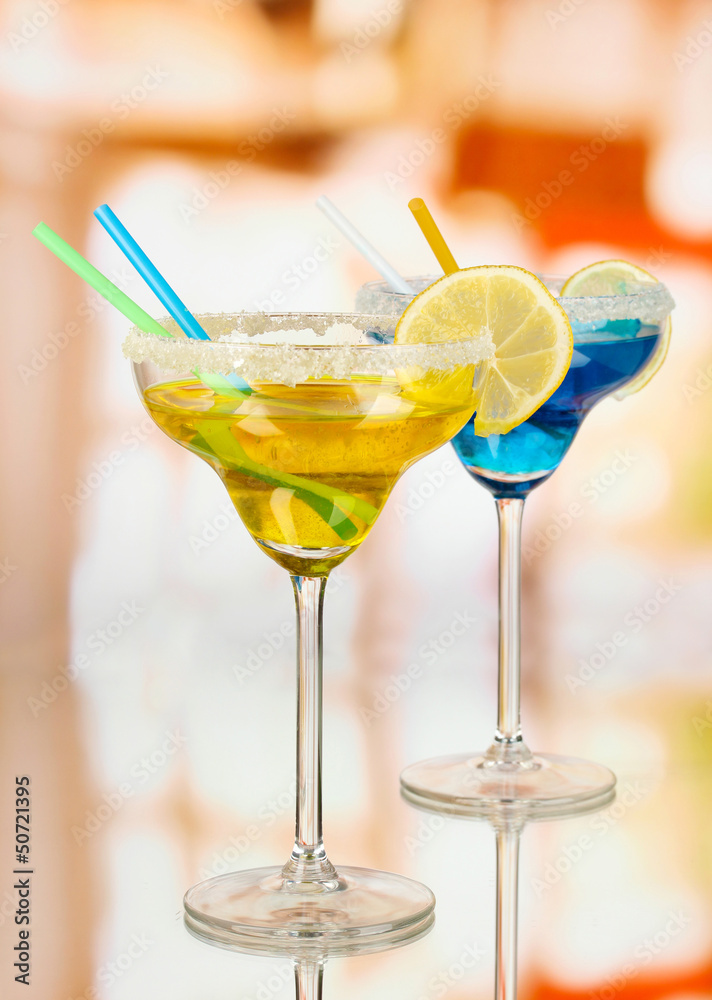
542	785
260	912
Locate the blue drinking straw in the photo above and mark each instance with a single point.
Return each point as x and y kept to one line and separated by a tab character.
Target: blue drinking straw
150	274
108	290
157	283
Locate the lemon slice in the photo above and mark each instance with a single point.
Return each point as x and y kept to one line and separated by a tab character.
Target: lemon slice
611	277
605	277
532	339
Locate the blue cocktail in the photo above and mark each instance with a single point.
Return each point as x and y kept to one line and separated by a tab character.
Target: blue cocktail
615	339
510	465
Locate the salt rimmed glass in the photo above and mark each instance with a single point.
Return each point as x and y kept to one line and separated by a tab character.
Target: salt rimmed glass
614	338
309	436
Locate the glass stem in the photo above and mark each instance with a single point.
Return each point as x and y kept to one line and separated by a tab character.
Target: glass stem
505	973
309	862
508	746
309	975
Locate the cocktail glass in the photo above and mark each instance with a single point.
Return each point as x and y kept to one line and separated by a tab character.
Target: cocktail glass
614	338
309	455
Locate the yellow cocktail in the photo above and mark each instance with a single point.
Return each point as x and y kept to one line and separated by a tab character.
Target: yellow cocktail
309	421
310	466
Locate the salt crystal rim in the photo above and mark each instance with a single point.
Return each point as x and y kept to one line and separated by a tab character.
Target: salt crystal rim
648	302
292	363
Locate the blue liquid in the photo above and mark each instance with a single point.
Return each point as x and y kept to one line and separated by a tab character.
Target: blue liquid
511	465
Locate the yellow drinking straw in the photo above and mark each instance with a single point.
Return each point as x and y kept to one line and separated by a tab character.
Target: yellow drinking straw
433	235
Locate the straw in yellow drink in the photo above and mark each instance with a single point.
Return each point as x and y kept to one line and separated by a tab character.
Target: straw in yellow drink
273	449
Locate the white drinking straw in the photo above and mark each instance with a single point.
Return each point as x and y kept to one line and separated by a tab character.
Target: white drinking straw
397	283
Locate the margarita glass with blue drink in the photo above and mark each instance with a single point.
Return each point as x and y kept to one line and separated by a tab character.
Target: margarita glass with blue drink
620	321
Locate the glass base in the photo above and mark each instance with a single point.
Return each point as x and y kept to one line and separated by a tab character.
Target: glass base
258	911
540	786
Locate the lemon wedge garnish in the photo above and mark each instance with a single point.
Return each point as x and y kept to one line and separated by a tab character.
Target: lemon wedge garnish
531	333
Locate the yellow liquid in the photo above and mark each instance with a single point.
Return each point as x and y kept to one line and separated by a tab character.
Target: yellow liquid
349	442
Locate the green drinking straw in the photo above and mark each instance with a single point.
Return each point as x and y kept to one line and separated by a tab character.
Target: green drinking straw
131	310
98	281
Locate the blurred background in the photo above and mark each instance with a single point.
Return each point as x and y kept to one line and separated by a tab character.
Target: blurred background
147	685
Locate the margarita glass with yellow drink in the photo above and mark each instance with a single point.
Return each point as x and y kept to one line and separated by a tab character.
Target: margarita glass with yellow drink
309	420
